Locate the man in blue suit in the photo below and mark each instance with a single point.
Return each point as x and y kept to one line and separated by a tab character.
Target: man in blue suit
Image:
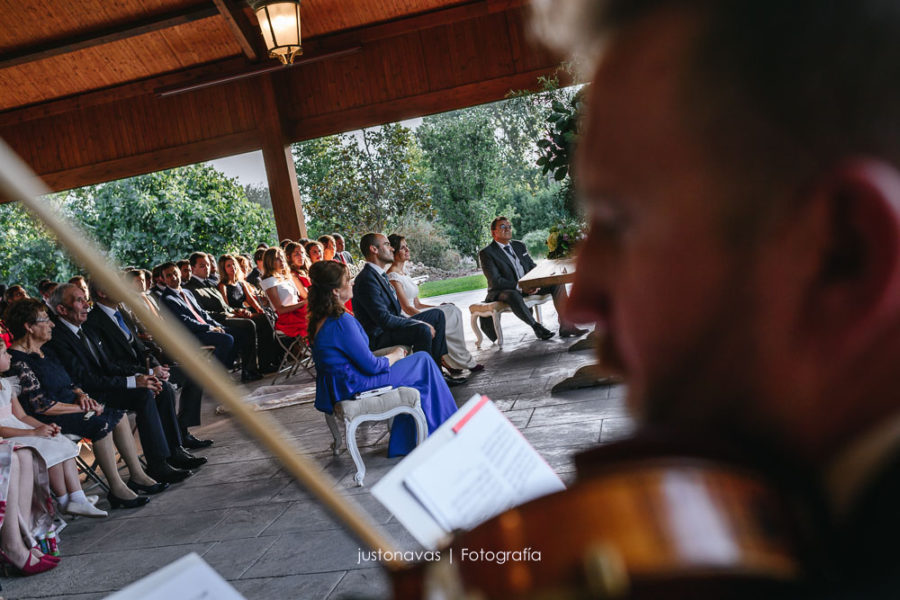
376	307
184	306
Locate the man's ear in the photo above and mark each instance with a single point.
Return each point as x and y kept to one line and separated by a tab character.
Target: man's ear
857	290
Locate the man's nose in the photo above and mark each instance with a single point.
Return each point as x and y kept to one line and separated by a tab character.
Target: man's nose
591	300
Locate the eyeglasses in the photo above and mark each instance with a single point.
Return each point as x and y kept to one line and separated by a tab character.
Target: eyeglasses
505	227
44	320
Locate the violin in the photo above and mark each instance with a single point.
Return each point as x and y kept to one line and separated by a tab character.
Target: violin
642	520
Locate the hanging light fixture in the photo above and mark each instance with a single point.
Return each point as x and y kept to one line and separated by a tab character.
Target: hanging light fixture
279	21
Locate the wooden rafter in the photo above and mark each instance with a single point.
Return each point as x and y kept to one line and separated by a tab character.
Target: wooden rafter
98	37
241	28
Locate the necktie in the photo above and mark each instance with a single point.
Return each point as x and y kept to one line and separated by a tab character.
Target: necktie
515	261
191	308
122	325
87	344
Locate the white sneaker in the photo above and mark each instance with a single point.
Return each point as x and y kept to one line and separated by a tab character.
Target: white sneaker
84	509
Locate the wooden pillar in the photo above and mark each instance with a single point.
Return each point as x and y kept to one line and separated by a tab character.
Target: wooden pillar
280	170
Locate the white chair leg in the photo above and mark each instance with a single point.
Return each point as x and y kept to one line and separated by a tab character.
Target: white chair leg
537	314
354	452
477	330
421	424
335	433
499	330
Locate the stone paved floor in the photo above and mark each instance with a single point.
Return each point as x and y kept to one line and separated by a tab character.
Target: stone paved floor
261	532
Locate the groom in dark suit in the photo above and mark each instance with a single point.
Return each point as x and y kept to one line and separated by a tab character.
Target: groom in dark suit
505	261
376	307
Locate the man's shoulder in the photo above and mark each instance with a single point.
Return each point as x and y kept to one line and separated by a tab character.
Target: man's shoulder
487	248
193	284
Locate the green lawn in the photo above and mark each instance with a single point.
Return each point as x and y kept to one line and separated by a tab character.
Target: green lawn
451	286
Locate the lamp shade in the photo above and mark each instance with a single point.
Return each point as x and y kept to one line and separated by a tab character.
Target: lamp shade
279	21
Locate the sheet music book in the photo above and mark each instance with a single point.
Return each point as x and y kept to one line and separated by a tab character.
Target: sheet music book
188	578
475	466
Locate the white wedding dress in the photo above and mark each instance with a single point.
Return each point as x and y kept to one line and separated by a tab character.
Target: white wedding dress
458	355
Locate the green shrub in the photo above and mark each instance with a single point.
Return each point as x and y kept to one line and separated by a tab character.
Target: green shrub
536	242
428	244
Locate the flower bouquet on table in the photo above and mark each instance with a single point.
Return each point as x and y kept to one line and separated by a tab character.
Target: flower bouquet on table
564	239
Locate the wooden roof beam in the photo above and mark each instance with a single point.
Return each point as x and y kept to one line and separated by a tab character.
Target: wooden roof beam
98	37
241	28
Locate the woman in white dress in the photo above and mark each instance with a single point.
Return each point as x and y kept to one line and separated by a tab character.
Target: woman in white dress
458	356
57	451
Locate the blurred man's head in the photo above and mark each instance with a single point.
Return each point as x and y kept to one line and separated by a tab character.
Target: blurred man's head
740	171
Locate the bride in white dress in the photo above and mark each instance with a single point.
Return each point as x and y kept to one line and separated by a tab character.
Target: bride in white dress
458	356
45	438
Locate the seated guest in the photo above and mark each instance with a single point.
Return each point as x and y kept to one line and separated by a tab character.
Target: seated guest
240	323
123	387
254	276
340	254
158	282
284	243
13	293
315	251
81	282
298	264
234	288
45	288
47	393
457	357
213	270
378	310
57	451
184	266
26	505
345	366
184	307
288	301
243	261
504	262
328	247
123	346
240	297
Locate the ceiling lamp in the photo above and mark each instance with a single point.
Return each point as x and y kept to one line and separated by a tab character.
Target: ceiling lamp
279	21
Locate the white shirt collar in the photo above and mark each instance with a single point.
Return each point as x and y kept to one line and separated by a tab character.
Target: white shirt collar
73	328
378	269
110	312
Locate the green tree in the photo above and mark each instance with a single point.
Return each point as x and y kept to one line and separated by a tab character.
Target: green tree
462	154
151	218
28	253
139	221
357	183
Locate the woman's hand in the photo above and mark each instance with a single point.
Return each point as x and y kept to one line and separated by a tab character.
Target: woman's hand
85	401
46	430
397	354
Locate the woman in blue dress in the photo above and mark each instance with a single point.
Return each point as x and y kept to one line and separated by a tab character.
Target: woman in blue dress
345	366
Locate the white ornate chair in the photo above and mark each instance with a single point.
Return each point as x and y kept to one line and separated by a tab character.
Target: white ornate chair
386	405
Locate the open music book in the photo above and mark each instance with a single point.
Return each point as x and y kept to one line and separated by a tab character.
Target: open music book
475	466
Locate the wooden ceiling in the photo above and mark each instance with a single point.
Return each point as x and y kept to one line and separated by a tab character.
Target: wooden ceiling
96	90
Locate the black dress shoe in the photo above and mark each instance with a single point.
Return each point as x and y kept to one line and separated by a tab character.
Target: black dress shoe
192	443
542	332
454	381
156	488
182	459
166	473
115	502
248	376
573	332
